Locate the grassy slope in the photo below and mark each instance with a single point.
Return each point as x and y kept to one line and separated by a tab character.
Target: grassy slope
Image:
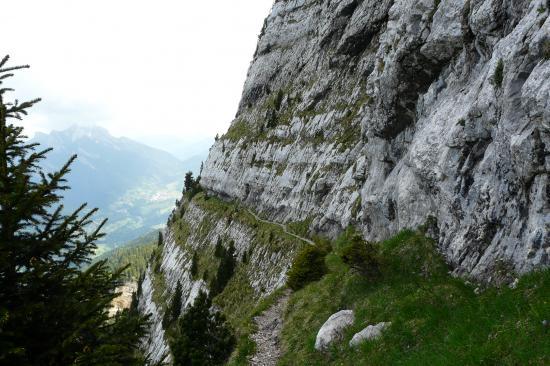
437	319
238	301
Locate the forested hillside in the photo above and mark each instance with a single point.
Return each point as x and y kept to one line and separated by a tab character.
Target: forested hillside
135	253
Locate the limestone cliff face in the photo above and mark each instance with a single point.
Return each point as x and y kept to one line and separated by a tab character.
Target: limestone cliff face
263	253
382	114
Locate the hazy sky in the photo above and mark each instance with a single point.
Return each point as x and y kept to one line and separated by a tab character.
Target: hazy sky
156	71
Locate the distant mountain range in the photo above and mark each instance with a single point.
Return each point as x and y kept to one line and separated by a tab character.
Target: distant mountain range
132	184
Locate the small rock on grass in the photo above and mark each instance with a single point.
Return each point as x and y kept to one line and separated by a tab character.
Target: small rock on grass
369	333
333	328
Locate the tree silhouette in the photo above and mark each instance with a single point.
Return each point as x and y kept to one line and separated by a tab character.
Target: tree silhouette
51	312
204	336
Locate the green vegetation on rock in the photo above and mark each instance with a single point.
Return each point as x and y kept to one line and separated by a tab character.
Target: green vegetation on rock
225	271
204	337
361	256
498	75
436	318
349	127
238	129
300	228
172	313
191	185
234	297
308	266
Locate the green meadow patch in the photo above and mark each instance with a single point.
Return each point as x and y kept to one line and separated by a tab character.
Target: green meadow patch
436	319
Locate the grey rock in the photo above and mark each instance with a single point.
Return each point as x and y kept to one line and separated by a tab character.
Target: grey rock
267	274
332	330
514	284
393	105
371	332
384	114
154	343
267	337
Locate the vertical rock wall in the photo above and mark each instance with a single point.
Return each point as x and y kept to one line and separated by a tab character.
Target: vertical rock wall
383	114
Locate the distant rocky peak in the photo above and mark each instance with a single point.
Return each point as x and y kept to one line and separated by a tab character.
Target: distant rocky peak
77	132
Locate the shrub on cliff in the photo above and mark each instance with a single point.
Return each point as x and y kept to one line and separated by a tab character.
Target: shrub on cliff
218	249
498	76
194	270
204	336
191	185
361	256
308	266
174	310
225	269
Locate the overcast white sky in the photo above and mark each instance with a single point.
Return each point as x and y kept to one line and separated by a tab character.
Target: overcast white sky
156	71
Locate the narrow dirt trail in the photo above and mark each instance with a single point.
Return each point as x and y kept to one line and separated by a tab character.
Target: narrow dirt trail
270	322
282	226
267	338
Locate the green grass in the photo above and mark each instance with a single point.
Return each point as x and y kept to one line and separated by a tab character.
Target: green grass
266	235
238	130
238	301
437	319
300	228
159	294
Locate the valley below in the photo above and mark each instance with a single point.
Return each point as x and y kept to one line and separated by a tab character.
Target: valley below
133	185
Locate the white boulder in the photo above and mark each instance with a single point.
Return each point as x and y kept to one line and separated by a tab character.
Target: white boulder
333	328
369	333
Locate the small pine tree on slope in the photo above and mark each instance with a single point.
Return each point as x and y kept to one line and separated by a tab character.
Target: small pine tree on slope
176	305
204	338
51	312
225	270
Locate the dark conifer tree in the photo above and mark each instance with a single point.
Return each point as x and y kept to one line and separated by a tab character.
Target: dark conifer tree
194	265
204	337
219	249
175	307
189	182
52	312
225	270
